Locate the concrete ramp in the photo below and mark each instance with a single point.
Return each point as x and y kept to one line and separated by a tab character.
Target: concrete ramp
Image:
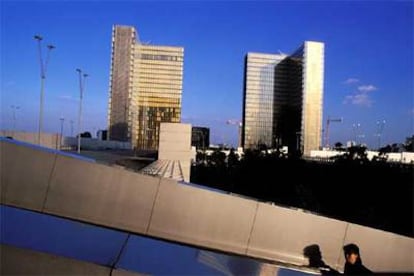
54	183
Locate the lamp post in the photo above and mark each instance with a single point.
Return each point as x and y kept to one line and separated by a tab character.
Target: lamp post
43	69
14	108
82	78
61	131
71	128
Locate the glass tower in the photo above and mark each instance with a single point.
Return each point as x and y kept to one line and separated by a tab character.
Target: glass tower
283	99
146	88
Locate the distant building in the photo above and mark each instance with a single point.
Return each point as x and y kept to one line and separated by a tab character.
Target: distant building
283	99
350	144
145	88
102	134
200	137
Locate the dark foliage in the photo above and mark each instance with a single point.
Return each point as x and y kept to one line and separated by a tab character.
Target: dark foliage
86	134
352	188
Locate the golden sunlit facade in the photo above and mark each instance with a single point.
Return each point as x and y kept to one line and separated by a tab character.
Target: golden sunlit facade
283	98
312	57
153	93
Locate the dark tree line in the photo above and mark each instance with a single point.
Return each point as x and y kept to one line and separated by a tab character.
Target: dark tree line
352	188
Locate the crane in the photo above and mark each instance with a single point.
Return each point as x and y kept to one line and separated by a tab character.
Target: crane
328	122
233	122
239	124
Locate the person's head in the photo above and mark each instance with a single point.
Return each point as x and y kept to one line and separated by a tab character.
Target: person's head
351	252
313	253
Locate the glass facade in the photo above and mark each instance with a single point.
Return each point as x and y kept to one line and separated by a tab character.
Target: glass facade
259	93
154	92
283	99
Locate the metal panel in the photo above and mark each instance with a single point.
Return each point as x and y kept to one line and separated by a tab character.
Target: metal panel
201	217
101	194
282	234
25	175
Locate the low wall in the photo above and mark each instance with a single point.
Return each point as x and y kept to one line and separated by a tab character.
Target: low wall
95	144
49	140
55	141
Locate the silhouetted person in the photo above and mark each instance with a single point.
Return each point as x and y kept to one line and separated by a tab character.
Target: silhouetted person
313	253
353	261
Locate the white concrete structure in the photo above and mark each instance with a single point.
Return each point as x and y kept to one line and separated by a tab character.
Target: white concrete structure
174	152
402	157
52	183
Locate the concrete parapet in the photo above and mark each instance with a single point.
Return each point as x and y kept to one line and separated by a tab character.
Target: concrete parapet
25	174
205	218
101	194
49	140
290	231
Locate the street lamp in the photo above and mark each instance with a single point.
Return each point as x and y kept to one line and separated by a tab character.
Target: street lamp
61	131
82	78
71	128
43	69
14	108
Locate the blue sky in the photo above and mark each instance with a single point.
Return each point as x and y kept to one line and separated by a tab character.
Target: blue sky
368	58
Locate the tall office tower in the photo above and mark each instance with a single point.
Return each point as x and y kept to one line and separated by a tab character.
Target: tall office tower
145	88
283	97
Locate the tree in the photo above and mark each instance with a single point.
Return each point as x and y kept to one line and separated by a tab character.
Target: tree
385	149
86	134
217	158
354	153
232	159
409	144
201	157
395	147
251	155
338	146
